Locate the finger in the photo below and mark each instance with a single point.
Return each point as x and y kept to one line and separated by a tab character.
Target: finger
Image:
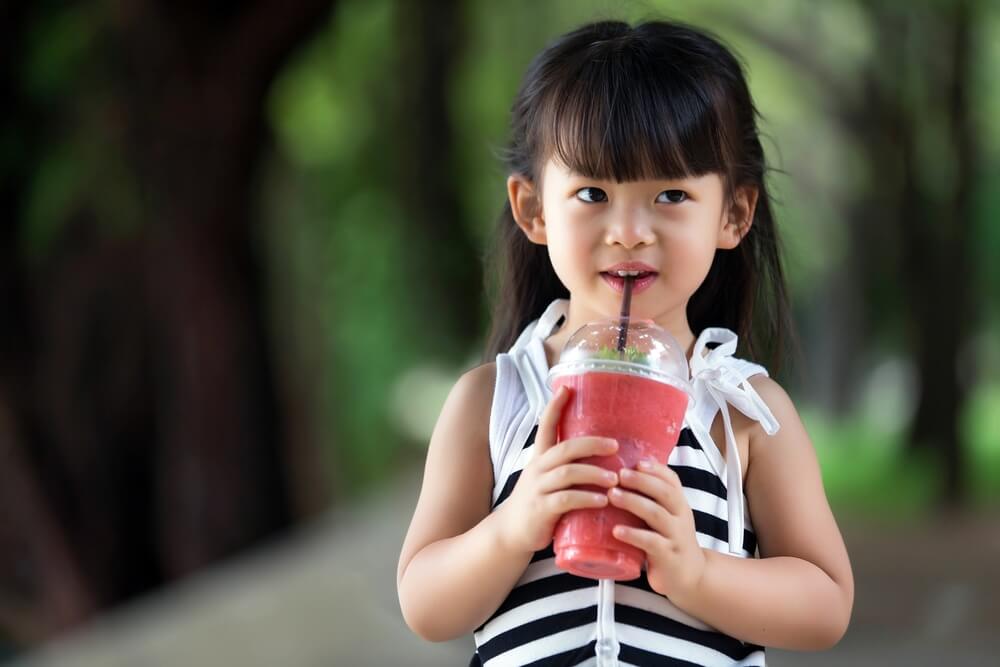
578	448
655	516
561	502
573	474
648	540
658	482
545	438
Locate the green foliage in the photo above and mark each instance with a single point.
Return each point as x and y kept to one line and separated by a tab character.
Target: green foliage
77	161
981	433
325	105
334	219
59	49
866	469
56	186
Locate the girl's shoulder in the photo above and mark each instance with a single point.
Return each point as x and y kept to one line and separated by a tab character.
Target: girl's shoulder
465	416
774	396
479	377
770	391
458	455
777	401
790	438
473	390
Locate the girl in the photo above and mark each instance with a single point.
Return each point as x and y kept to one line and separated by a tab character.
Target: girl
633	149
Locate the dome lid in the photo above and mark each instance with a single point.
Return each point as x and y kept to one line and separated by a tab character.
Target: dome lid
649	350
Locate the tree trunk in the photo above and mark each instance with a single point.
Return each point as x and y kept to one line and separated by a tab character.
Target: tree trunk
42	586
141	437
195	97
937	253
443	254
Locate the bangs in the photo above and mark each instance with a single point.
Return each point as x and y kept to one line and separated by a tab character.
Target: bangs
625	115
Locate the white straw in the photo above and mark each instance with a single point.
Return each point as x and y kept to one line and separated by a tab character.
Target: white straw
607	639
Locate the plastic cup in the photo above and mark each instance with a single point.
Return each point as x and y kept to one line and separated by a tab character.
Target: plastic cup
638	397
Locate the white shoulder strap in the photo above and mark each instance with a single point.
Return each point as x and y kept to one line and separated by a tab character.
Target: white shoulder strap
719	379
528	355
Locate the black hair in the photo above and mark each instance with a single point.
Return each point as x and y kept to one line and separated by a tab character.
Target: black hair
658	100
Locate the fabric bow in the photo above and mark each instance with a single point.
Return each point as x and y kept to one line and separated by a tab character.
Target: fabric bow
716	378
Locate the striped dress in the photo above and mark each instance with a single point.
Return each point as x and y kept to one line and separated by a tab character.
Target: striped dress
550	616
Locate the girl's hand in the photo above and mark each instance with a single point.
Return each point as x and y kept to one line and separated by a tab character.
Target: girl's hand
675	561
542	493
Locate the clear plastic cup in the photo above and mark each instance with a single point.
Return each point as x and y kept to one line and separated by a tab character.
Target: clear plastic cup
637	396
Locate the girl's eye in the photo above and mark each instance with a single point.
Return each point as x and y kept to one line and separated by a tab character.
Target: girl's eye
591	195
671	197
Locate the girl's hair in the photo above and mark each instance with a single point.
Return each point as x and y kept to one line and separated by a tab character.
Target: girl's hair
656	101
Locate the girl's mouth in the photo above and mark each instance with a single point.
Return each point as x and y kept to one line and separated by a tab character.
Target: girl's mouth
639	283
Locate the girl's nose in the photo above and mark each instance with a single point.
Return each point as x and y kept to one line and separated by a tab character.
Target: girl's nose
630	231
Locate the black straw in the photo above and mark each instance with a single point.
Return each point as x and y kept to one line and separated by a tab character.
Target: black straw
623	318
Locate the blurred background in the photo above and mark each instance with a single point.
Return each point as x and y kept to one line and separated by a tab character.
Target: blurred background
241	265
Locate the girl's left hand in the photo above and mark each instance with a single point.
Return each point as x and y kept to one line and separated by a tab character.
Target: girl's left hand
675	561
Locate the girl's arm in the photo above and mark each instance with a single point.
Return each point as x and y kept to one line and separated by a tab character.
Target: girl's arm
459	561
799	594
453	570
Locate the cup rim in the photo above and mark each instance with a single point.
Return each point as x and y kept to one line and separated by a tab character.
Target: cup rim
616	366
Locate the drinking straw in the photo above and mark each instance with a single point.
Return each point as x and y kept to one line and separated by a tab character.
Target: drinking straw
607	646
623	318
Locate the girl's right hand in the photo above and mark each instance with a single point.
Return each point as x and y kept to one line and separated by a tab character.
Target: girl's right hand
542	493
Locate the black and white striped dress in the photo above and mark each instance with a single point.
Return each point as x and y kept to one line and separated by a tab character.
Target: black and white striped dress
550	616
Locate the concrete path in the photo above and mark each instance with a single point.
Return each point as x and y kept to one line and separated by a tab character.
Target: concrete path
928	594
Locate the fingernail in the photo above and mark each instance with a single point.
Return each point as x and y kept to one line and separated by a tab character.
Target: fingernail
616	492
645	465
611	442
610	476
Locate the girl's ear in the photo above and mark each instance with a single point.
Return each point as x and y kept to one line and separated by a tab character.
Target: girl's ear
738	218
526	206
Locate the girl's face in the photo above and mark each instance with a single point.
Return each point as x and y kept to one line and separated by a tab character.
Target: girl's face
672	228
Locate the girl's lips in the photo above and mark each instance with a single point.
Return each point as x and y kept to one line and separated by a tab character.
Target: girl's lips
617	283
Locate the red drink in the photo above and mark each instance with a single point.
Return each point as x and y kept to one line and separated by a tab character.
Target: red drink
645	416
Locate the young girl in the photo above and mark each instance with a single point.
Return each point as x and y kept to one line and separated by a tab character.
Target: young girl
633	149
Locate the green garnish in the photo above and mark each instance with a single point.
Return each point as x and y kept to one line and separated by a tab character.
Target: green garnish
632	354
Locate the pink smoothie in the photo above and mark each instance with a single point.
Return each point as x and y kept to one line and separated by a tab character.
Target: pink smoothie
645	416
